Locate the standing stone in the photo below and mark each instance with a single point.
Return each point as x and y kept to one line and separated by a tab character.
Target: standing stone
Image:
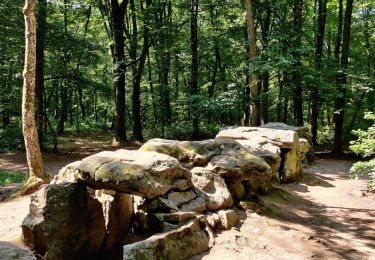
117	211
64	223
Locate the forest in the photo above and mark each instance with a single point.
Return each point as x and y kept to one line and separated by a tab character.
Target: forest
182	69
187	129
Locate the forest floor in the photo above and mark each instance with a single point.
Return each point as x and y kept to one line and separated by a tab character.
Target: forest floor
325	215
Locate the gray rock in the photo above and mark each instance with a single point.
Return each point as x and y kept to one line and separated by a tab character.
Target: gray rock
10	251
223	157
181	197
117	211
282	142
196	205
146	174
181	243
192	153
222	219
64	222
211	188
228	218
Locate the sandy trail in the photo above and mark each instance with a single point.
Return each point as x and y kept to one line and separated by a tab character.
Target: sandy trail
325	216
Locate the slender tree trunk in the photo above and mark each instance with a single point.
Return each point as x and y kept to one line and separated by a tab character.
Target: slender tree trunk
117	20
39	77
153	101
251	115
322	13
194	64
37	175
63	87
297	80
279	97
341	81
266	75
336	52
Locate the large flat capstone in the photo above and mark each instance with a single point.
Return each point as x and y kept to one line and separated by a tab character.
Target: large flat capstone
146	174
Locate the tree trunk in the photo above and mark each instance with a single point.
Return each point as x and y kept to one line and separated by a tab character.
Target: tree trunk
297	81
251	114
117	20
37	175
39	76
266	75
322	13
341	82
194	64
336	52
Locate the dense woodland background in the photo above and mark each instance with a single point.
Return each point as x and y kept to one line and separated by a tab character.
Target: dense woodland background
181	69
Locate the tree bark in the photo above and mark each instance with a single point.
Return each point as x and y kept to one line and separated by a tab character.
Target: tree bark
336	52
117	20
266	75
39	76
297	81
37	175
251	114
341	82
138	70
194	64
322	14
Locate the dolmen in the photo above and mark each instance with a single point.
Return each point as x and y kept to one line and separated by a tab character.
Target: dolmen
164	201
277	143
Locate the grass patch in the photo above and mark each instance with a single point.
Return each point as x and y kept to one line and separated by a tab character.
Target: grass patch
8	178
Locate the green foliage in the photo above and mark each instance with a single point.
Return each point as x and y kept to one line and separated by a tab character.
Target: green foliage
326	134
366	169
8	178
365	146
11	139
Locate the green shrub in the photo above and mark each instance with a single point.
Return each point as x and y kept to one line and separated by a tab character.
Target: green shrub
365	146
10	177
11	139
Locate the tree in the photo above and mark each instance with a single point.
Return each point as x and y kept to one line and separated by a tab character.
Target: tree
39	77
37	175
194	64
342	80
296	75
251	115
322	14
117	20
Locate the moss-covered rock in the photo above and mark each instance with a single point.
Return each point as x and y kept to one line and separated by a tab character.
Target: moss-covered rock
146	174
182	243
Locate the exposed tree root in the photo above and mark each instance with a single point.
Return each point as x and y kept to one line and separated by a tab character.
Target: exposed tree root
31	185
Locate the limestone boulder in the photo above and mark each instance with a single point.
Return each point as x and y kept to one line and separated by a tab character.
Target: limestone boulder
64	223
238	165
146	174
190	153
222	219
10	251
173	201
281	148
181	243
281	138
212	189
267	151
223	157
117	212
303	132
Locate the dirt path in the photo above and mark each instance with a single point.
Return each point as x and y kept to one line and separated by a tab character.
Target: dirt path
324	216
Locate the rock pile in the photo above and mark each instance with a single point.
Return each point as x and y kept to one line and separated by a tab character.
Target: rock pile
283	149
176	193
